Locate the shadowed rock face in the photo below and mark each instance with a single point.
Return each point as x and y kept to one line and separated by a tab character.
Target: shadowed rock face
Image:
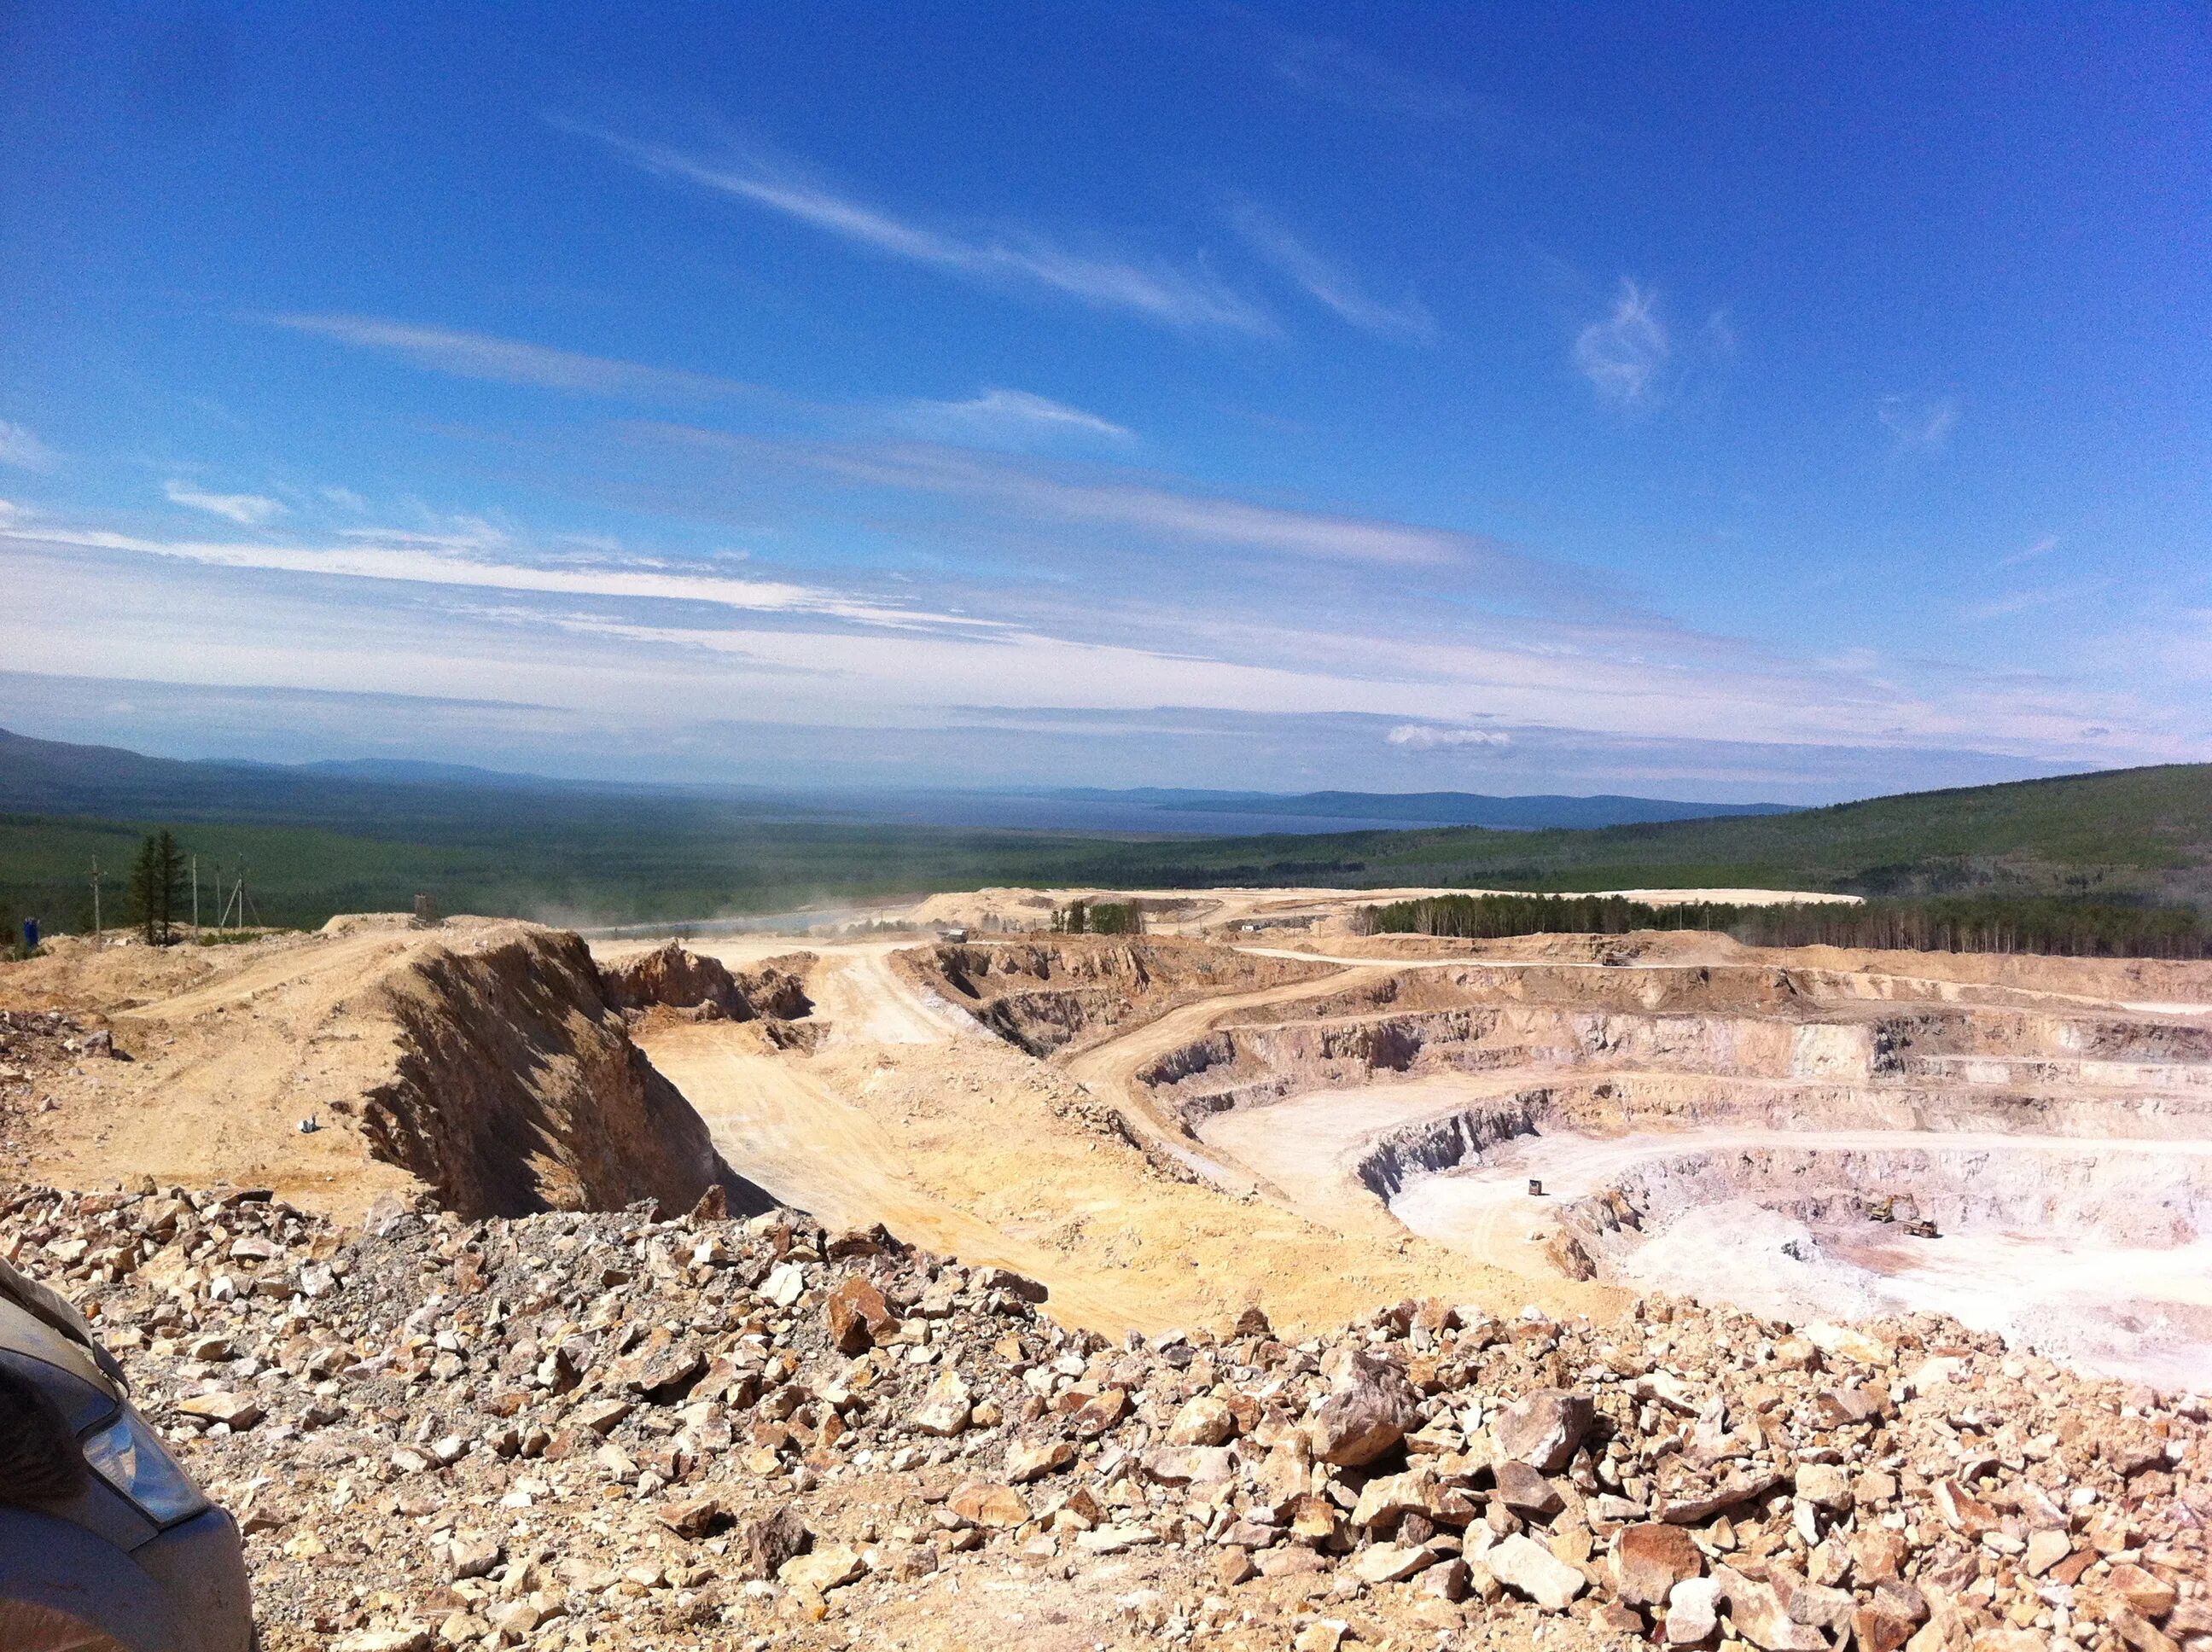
517	1088
672	977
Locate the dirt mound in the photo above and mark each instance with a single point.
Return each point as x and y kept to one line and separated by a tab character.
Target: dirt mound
480	1060
1045	995
674	978
71	974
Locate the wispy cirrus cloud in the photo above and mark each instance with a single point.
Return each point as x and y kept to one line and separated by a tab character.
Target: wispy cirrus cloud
1188	299
248	510
1330	286
1623	353
23	450
1099	497
2041	548
1352	78
507	361
995	417
1919	424
1013	418
457	559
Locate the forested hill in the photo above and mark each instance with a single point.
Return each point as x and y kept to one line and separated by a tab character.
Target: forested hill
2124	834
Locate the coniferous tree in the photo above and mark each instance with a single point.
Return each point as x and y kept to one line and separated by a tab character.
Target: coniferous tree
157	880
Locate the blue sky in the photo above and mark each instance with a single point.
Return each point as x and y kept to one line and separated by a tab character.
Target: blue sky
1715	401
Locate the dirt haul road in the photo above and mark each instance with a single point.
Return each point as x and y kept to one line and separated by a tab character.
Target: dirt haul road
964	1142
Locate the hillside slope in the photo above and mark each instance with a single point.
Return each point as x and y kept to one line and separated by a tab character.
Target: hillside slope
2126	833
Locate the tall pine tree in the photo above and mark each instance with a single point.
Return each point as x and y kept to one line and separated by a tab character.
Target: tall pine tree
157	881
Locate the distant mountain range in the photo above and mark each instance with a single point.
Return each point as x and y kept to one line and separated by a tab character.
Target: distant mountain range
52	777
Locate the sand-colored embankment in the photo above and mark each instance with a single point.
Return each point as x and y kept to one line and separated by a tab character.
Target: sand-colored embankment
480	1061
1064	994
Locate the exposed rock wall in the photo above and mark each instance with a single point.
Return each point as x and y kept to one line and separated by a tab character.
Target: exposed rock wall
517	1088
1046	995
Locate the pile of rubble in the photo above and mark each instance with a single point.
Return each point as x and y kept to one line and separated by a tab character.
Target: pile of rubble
34	1046
618	1430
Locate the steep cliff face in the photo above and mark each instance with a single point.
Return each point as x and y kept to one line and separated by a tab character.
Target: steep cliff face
517	1088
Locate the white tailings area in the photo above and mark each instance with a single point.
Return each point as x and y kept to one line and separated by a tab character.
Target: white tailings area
2095	1251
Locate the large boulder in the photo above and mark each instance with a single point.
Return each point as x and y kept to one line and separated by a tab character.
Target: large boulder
1370	1415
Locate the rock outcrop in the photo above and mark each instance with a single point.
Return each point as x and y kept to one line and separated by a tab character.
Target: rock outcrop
517	1088
673	977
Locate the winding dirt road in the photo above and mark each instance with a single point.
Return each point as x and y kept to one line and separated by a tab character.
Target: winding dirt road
910	1115
1109	1070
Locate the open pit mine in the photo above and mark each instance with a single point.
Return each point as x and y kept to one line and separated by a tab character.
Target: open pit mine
1249	1283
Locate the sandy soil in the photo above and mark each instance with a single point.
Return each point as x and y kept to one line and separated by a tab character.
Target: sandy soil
479	1054
962	1142
260	1038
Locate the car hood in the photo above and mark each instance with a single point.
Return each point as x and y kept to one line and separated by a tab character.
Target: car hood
52	1311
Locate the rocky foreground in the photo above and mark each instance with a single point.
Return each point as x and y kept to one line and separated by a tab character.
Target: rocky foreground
616	1430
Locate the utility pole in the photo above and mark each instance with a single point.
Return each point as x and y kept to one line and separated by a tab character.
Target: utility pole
95	900
196	900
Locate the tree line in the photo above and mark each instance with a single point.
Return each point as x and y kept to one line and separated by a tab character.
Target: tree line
1099	918
2059	928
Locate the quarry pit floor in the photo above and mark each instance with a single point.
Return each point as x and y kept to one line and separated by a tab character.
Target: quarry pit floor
913	1112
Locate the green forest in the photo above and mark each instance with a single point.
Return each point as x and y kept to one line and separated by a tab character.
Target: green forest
1934	924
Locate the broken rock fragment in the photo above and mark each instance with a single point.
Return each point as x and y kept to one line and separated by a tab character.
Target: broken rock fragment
1361	1421
1533	1571
1650	1559
1543	1429
946	1408
857	1316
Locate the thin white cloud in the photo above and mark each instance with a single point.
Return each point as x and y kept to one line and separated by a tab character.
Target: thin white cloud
2042	547
248	510
2021	602
507	361
1426	737
1100	499
1330	286
1014	417
1170	296
1354	79
423	559
23	450
1623	354
795	654
345	499
1920	424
